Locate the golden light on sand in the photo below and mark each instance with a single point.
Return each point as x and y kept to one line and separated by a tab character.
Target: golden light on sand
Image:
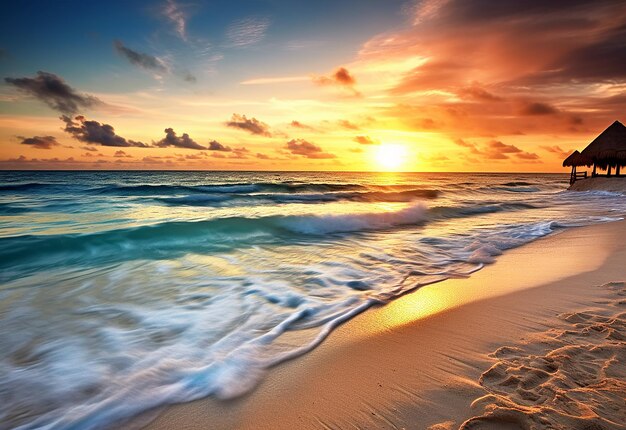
390	156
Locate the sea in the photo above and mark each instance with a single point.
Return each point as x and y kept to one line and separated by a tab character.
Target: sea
121	292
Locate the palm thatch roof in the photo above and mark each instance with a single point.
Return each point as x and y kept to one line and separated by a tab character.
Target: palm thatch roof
608	149
577	159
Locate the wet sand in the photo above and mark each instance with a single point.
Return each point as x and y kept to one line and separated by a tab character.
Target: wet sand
533	341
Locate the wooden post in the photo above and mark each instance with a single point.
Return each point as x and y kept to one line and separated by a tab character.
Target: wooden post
608	171
617	169
593	174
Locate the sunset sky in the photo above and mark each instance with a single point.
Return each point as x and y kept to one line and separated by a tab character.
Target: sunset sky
444	85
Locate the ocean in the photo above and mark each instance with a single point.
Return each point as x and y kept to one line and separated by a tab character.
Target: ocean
125	291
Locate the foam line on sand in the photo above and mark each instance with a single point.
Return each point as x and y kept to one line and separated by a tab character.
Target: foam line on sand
417	361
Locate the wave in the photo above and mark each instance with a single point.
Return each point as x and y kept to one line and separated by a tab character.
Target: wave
514	189
168	239
356	196
25	187
518	184
236	188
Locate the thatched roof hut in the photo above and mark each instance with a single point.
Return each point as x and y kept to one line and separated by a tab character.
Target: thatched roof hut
608	149
576	159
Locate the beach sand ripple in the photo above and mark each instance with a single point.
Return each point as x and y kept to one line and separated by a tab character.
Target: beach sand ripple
569	377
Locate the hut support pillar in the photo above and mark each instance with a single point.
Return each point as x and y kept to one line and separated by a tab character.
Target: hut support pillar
608	171
594	174
617	169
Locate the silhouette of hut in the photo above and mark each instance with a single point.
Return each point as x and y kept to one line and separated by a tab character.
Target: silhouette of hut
606	151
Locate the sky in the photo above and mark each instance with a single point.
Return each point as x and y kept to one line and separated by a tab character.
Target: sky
349	85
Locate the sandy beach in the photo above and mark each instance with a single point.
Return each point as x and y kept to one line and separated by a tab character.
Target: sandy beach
535	340
613	184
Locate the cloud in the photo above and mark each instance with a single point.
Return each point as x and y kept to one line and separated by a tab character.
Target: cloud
306	149
89	148
262	156
496	145
475	92
95	133
366	140
555	149
188	77
469	145
52	90
173	12
39	142
252	125
340	77
122	154
214	145
527	156
537	108
246	32
347	124
184	141
145	61
570	52
298	124
495	150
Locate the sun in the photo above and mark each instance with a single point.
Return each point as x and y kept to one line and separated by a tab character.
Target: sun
390	156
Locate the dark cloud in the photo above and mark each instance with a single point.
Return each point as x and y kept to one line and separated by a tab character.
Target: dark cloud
214	145
595	60
366	140
145	61
89	148
306	149
537	108
188	77
575	120
53	91
39	142
122	154
252	125
95	133
184	141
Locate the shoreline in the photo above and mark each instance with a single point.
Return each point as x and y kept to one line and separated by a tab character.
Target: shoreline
416	361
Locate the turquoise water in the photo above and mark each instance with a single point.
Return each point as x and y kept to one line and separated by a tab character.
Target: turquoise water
124	291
